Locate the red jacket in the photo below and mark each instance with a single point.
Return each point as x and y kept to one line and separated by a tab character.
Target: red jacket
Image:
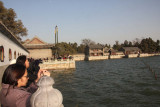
16	97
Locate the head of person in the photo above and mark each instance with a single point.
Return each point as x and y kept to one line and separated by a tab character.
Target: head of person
23	60
15	75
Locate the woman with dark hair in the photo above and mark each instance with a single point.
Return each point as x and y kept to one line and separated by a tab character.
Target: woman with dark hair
32	68
13	94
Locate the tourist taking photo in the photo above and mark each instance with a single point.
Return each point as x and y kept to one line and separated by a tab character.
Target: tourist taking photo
13	93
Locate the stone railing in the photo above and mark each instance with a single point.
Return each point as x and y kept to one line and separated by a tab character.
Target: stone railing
97	58
116	56
46	95
58	65
99	51
57	60
79	58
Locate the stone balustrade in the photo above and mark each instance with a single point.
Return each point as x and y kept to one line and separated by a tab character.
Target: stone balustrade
46	95
58	65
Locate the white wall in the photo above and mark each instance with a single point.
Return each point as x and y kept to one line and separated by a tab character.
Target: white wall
97	58
7	43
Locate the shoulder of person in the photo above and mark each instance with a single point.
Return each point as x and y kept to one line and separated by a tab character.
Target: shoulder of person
21	93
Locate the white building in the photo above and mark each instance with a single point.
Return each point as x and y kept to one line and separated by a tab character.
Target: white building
10	48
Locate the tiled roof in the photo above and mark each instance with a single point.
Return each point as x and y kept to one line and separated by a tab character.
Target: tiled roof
95	46
34	40
37	43
39	46
131	48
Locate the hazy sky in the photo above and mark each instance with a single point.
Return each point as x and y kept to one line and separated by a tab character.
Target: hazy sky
103	21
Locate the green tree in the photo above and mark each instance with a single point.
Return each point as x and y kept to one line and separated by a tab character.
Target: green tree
64	49
130	44
108	46
81	48
74	46
8	17
126	43
136	42
158	46
117	46
148	45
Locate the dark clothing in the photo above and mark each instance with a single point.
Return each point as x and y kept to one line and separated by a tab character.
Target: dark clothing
32	71
16	97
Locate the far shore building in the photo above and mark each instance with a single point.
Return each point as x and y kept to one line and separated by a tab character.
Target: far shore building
130	50
113	52
94	50
38	48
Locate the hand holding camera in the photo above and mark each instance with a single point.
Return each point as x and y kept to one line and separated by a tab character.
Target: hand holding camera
45	72
41	73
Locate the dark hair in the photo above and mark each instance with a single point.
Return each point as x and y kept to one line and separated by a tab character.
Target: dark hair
32	71
21	59
13	73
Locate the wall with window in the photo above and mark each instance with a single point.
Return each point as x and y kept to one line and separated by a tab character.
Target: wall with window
9	50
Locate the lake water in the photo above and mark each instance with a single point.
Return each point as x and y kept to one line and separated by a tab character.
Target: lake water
111	83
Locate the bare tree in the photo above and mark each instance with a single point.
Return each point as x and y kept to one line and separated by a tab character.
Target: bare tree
87	42
136	41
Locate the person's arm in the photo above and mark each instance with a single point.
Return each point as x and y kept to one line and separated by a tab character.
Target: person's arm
33	86
41	73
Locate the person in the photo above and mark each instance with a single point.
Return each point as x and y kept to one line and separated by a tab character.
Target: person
23	60
32	68
12	93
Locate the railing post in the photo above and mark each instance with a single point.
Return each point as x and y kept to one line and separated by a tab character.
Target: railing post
46	95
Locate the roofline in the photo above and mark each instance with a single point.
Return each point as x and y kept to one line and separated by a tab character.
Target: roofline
34	38
13	37
38	46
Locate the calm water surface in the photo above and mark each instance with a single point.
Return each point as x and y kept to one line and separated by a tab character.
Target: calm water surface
111	83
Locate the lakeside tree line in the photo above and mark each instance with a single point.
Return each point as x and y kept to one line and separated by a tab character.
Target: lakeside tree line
147	45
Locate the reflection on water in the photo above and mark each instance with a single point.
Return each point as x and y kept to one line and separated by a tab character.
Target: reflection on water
112	83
